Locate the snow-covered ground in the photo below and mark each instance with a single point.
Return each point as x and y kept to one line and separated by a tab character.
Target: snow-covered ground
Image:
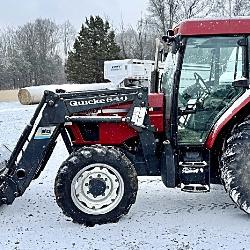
161	218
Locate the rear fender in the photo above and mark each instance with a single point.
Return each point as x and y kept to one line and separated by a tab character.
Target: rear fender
235	111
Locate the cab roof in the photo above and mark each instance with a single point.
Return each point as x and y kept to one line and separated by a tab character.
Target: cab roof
232	26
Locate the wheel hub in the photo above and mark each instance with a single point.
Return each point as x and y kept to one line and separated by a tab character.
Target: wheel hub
97	187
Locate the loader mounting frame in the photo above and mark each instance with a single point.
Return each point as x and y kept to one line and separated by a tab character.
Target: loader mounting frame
38	139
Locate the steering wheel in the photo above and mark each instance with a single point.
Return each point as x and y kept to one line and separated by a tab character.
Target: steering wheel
199	81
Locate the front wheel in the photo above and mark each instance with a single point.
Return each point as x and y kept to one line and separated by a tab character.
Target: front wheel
96	185
235	165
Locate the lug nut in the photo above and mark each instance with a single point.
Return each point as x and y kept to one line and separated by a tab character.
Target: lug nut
140	95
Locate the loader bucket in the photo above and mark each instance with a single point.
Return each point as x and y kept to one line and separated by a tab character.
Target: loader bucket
4	157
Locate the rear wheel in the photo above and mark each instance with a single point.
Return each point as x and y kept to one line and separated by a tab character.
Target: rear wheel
96	185
235	165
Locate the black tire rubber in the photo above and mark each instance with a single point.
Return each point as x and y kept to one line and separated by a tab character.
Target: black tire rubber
235	165
82	158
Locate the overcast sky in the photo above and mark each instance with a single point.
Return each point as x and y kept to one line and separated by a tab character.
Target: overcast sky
18	12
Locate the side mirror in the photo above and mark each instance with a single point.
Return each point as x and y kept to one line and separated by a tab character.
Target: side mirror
241	83
170	32
174	41
168	39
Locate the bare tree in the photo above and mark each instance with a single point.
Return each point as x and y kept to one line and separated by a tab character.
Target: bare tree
137	43
166	13
126	41
158	9
7	51
195	8
29	55
241	8
37	49
140	37
68	35
230	8
121	39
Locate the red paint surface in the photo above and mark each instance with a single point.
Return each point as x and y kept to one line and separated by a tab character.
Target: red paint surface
155	100
115	133
223	121
214	26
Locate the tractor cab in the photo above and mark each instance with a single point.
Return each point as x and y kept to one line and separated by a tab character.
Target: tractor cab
206	71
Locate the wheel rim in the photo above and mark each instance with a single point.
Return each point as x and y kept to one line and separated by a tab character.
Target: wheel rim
97	189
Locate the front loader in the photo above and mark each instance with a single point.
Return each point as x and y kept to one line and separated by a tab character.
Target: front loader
192	130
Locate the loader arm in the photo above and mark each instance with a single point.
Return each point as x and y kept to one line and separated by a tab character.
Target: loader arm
38	139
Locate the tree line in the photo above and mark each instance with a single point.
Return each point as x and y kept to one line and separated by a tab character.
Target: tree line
34	54
43	52
161	15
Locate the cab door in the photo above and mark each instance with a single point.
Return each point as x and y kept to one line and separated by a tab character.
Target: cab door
209	67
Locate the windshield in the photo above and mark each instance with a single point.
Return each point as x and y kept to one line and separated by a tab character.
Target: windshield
210	65
217	59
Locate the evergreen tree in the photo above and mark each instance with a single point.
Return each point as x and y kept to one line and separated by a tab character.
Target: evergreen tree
94	45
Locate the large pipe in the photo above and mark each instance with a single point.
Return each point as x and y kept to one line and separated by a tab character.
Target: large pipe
34	94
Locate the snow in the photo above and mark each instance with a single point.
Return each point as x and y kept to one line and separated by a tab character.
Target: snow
161	218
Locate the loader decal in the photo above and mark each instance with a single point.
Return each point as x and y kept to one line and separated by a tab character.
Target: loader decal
44	133
98	101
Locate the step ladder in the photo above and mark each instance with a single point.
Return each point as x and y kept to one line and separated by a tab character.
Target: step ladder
194	176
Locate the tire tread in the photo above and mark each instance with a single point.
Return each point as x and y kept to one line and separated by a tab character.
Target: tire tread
234	165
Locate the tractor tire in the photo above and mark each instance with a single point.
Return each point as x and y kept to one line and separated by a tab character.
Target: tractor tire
235	165
96	185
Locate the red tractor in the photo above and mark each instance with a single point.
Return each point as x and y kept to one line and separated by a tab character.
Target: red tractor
192	130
